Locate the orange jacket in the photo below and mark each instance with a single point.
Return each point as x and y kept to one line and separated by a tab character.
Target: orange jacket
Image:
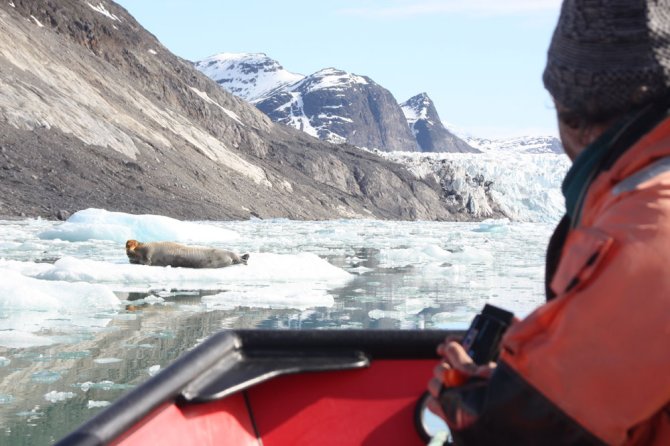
592	365
600	351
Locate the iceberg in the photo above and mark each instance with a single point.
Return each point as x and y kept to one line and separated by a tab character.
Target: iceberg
100	224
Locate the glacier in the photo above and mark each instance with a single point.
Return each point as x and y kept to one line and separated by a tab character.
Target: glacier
522	186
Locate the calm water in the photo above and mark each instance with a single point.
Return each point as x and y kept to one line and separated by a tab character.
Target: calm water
59	367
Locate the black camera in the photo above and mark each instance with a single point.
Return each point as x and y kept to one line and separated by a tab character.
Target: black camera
482	340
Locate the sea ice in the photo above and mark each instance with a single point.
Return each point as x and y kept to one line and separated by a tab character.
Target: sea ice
277	296
28	305
107	360
54	396
45	376
102	385
262	268
95	404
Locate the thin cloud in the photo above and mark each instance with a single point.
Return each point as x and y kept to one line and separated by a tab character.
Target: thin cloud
404	8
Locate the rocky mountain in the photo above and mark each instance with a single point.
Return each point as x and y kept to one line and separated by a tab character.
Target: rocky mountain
339	107
95	112
249	76
430	133
331	104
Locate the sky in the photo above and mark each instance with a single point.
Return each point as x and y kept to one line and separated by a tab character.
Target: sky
480	61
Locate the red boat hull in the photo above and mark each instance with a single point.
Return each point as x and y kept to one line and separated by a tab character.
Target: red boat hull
273	387
369	406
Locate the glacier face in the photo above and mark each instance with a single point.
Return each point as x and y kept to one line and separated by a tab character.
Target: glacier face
521	186
518	144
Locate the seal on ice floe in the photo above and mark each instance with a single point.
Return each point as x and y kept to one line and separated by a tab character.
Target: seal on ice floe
174	254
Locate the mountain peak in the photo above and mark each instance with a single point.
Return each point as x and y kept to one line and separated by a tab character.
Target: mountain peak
247	75
338	107
333	78
419	107
429	131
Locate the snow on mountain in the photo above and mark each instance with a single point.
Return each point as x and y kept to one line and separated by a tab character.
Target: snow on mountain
430	133
523	188
329	78
249	76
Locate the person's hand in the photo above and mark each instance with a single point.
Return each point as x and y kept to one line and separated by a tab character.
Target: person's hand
455	369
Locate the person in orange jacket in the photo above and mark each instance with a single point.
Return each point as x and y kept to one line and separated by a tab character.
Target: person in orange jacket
592	365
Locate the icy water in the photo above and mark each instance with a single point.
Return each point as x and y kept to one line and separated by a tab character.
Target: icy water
79	325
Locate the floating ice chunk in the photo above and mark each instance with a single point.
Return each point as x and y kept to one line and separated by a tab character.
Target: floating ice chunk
7	245
45	376
54	396
154	369
73	355
407	310
99	224
30	269
360	270
163	335
436	252
18	292
501	225
107	360
94	404
473	254
262	269
103	385
398	257
30	305
4	362
416	305
296	296
151	300
385	314
32	414
21	293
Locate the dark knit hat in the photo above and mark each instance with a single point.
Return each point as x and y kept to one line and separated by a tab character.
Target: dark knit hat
609	56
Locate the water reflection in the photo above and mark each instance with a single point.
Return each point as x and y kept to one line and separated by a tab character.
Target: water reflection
404	276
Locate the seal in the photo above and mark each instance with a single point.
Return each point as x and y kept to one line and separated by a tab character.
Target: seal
177	255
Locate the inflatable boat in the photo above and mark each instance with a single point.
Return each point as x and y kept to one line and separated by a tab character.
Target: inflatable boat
278	387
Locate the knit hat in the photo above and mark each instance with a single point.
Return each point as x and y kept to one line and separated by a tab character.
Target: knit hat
609	56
